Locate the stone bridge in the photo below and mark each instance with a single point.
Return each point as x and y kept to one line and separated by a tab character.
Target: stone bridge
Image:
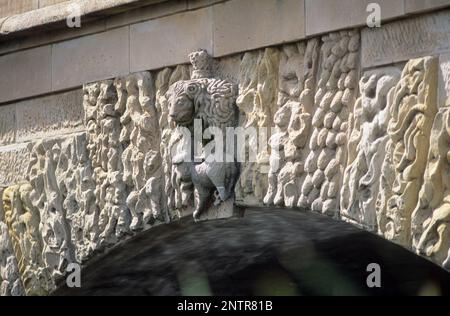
136	132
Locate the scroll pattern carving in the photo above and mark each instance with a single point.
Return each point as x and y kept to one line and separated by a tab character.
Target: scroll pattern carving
366	147
413	106
431	218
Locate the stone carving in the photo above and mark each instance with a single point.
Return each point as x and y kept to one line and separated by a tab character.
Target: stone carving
105	152
335	98
297	76
366	145
141	159
444	80
77	187
446	264
412	107
10	282
257	101
213	103
431	218
14	160
169	138
11	285
23	222
124	140
136	166
47	176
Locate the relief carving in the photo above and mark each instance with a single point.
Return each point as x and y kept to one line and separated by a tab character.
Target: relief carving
334	99
297	76
10	282
24	227
379	162
412	106
366	147
169	138
105	151
431	218
212	102
257	102
124	143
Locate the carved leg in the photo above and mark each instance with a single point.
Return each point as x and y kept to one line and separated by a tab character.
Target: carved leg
202	196
132	200
271	191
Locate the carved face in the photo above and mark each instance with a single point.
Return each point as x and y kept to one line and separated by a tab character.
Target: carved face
182	110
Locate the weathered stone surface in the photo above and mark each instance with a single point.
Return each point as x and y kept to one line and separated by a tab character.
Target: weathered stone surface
146	13
208	174
334	99
194	4
61	177
168	41
46	3
123	144
402	40
12	7
23	222
14	160
10	283
431	218
25	73
289	144
49	116
412	106
444	80
249	24
364	161
90	58
257	102
366	146
164	80
416	6
7	124
330	15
